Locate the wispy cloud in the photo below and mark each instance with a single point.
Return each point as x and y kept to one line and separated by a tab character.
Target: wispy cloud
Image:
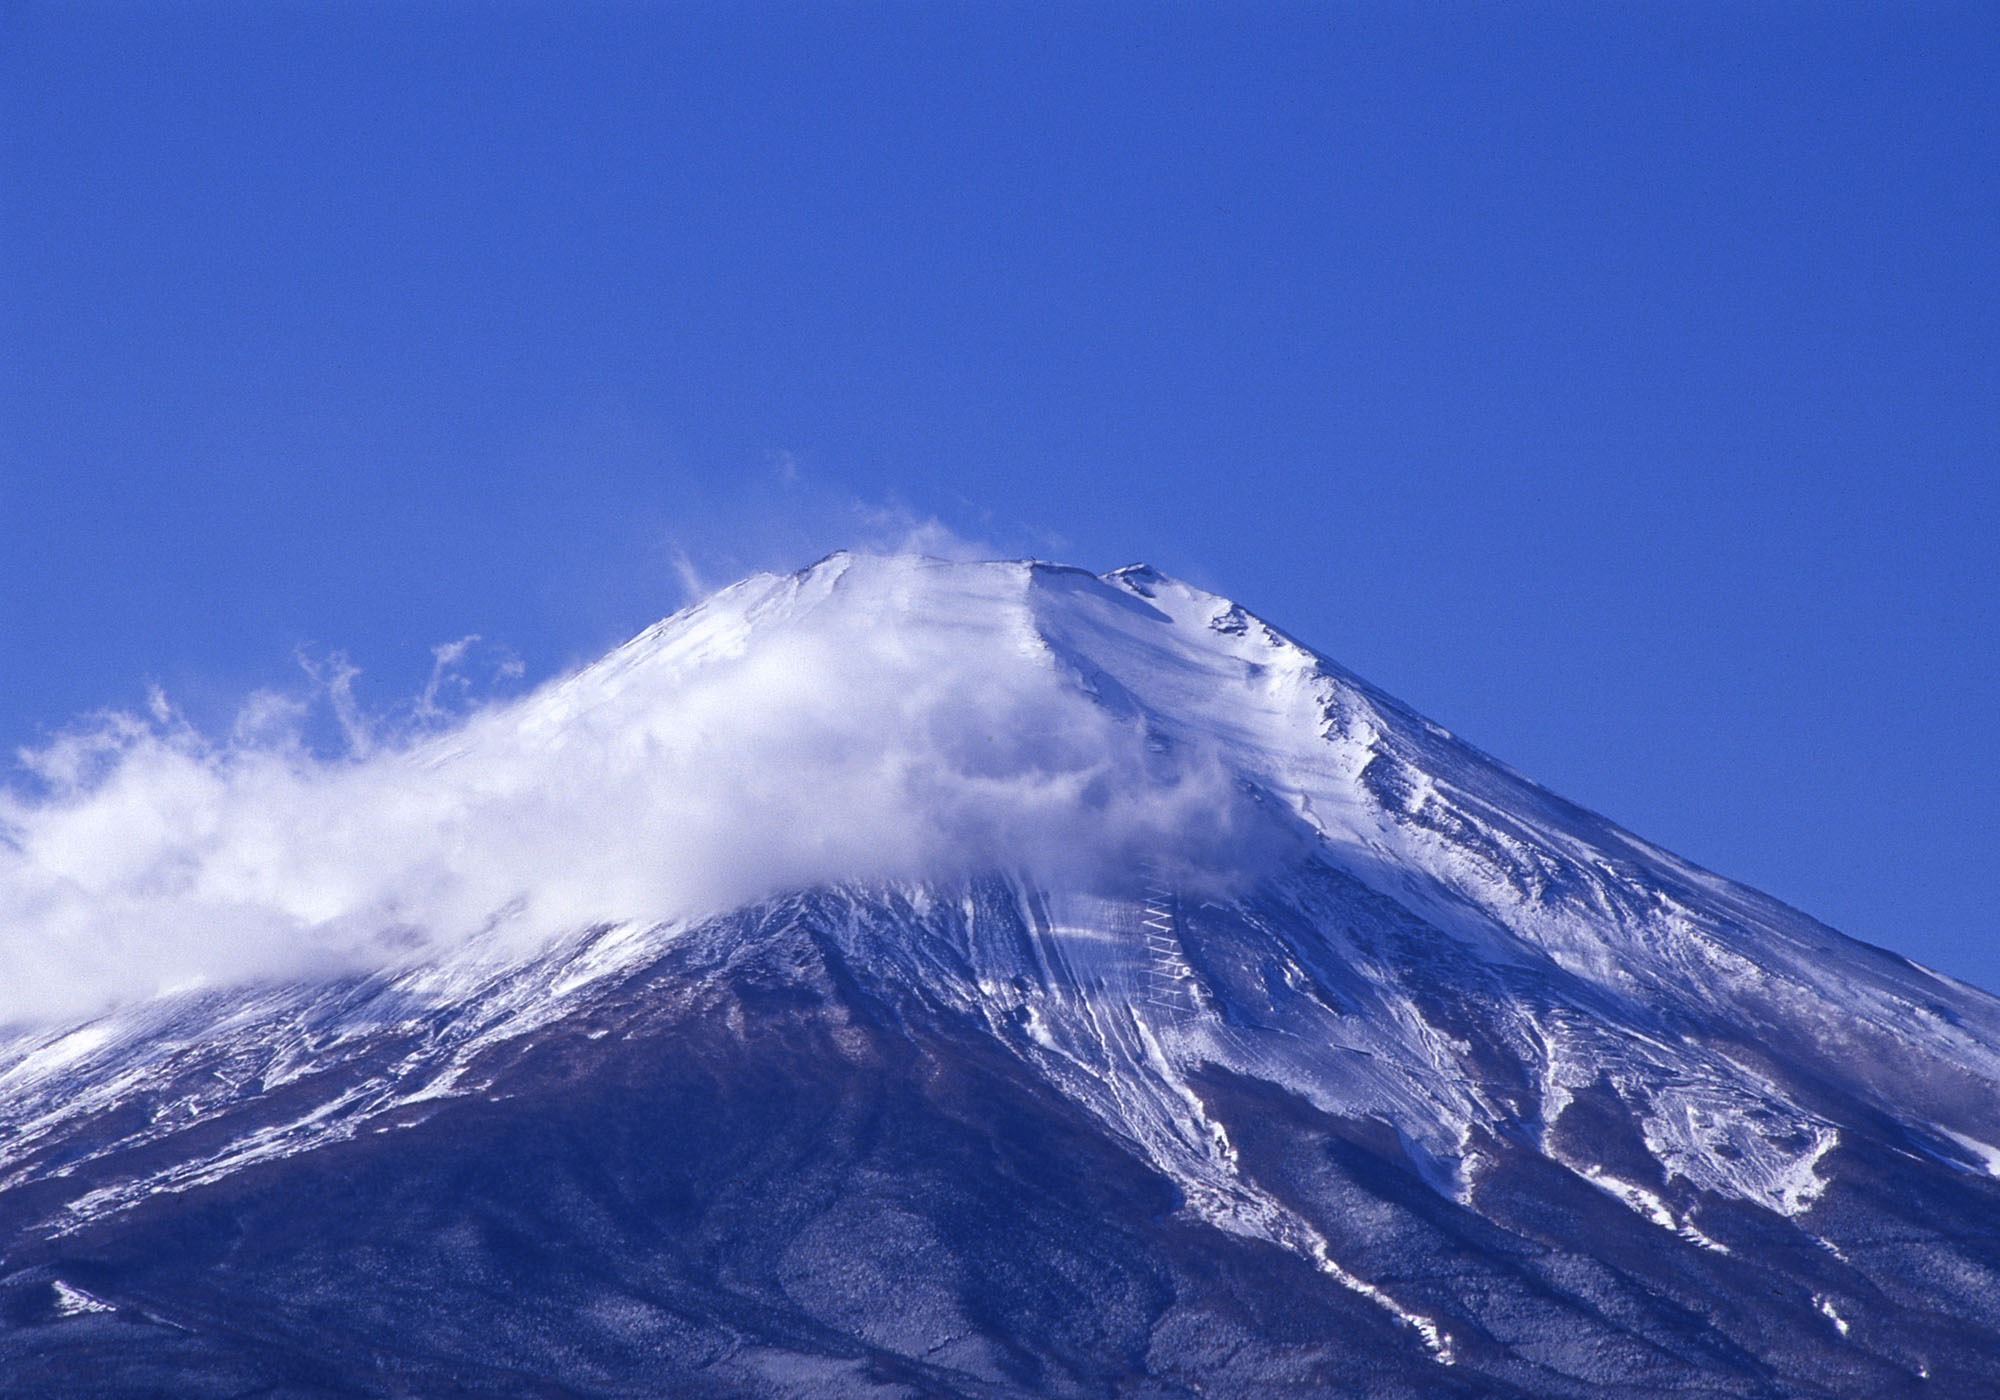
753	745
786	511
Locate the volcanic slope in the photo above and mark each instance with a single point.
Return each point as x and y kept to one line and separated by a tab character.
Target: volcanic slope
1275	1044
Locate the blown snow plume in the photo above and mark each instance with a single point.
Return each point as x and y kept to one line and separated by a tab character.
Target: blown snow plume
869	719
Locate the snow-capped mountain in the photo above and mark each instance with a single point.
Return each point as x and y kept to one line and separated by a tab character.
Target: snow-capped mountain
1089	990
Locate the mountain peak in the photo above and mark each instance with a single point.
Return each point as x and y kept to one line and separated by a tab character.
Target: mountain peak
945	878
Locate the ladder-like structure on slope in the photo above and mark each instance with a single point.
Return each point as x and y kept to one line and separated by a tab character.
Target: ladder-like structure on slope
1167	982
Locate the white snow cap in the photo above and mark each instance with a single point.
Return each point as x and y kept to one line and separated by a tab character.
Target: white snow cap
866	719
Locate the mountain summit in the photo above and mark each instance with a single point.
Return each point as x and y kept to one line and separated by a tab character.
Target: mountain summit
904	978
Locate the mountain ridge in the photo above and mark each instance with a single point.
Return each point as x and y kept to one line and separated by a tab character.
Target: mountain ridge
1507	1100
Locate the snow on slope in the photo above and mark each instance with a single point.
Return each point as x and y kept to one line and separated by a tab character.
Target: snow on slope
1218	850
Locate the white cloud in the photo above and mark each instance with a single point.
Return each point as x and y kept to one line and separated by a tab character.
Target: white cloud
719	761
896	529
333	676
792	512
692	586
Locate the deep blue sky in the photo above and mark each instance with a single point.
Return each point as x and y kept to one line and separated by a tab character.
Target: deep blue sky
1615	383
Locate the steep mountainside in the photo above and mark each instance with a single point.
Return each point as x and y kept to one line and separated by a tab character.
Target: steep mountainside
1276	1043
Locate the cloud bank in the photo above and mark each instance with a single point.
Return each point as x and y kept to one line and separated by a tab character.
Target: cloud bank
764	741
